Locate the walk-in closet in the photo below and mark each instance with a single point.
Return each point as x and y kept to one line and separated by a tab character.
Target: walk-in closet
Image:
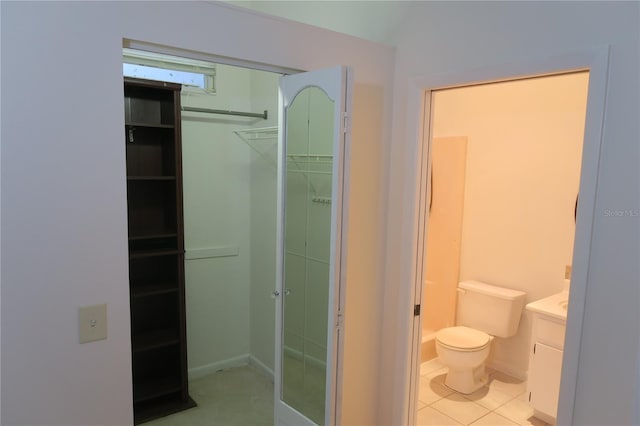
202	165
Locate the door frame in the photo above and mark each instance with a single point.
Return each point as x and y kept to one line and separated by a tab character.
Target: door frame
595	60
333	407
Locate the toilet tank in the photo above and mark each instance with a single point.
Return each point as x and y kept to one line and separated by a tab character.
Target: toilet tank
492	309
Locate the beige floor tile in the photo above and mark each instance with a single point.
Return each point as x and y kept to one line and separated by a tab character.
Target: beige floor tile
439	375
493	419
460	409
430	417
432	389
489	397
520	412
507	384
431	365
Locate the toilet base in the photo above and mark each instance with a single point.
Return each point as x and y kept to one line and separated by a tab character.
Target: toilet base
466	381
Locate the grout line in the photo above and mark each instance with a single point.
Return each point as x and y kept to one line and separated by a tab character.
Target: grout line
444	414
484	415
509	400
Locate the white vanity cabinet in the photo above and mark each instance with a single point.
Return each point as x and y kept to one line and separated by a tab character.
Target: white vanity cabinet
545	356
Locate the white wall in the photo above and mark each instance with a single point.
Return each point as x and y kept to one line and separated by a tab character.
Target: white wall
216	169
64	238
378	21
229	204
522	178
451	37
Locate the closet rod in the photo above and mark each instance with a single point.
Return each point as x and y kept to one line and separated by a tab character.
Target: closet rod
225	112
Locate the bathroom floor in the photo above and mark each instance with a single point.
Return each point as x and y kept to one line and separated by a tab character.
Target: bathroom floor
501	402
239	396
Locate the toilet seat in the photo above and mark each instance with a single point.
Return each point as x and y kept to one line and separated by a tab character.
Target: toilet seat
462	338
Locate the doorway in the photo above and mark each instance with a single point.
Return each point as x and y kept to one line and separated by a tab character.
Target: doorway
504	168
248	189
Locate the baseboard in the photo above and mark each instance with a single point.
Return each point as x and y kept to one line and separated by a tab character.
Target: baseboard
428	349
262	367
294	353
205	370
248	359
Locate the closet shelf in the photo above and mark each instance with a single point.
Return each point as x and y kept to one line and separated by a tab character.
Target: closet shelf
308	172
150	178
311	160
263	141
155	339
155	388
310	164
316	157
154	290
152	253
152	236
259	133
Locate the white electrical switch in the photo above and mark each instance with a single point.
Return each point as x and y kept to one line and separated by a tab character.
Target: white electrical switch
93	323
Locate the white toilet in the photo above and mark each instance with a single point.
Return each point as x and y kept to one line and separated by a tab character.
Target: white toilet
483	311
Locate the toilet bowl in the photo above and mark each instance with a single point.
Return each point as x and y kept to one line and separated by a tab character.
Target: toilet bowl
483	311
464	350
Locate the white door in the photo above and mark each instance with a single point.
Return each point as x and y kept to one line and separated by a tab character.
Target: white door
312	212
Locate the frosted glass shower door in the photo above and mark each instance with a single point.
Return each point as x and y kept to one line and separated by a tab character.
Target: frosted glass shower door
310	270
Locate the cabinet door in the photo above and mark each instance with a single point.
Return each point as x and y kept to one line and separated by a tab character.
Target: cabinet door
544	379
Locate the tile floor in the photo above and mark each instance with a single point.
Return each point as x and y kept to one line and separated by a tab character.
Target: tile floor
501	402
240	396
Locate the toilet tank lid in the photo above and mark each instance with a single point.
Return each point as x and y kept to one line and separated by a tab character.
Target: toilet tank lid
492	290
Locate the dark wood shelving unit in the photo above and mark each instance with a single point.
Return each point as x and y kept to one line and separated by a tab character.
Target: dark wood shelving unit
151	178
153	289
156	248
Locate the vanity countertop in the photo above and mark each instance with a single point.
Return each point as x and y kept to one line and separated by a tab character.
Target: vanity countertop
554	306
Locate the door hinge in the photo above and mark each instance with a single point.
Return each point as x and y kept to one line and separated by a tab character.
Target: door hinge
345	122
534	349
529	396
416	310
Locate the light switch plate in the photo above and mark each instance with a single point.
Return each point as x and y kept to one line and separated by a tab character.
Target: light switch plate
93	323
